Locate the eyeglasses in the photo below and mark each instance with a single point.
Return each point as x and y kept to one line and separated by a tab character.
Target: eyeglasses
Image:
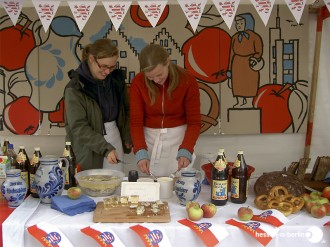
103	66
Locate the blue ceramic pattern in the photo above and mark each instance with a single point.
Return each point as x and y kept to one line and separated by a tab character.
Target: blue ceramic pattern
53	186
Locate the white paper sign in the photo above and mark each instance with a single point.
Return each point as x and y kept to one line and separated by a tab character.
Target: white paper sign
13	9
193	10
116	11
297	8
46	11
264	9
152	10
227	10
147	191
81	11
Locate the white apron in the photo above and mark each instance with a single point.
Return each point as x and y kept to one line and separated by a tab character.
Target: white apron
113	137
163	145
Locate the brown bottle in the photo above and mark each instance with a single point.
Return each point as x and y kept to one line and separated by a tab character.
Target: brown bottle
70	180
219	186
5	146
23	163
239	180
33	169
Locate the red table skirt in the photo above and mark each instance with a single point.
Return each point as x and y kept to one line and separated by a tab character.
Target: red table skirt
5	211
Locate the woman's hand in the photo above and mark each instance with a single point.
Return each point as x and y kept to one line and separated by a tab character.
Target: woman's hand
144	166
183	162
112	157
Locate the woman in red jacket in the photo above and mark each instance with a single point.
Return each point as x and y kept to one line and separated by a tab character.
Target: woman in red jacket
165	118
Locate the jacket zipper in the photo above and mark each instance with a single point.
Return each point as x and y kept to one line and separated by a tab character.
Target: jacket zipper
163	108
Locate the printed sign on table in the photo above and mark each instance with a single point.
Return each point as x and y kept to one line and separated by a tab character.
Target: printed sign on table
49	235
116	11
271	216
209	233
46	11
227	10
103	235
296	7
264	9
151	235
13	9
81	11
153	10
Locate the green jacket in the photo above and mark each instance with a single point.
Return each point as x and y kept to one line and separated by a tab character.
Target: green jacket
84	125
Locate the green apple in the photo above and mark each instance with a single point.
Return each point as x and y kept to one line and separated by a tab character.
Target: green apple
74	193
190	204
195	213
245	213
322	200
315	195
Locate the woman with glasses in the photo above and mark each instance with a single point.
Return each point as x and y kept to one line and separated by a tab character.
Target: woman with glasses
165	113
97	108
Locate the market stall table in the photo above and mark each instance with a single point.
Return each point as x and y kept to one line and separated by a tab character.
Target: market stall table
301	230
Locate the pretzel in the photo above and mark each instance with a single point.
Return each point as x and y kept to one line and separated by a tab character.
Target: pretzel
277	191
285	208
274	203
298	203
261	202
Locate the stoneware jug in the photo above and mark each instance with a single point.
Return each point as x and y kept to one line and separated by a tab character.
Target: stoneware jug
14	188
188	186
50	177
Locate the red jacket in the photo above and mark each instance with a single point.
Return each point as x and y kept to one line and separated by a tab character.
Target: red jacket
183	107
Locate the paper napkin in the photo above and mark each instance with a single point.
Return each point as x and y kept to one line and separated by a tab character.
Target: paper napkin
151	235
72	207
262	232
271	216
49	235
103	235
211	234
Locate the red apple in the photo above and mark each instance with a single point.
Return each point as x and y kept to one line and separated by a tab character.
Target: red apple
309	205
190	204
326	192
74	193
245	213
318	211
306	197
327	208
195	213
209	210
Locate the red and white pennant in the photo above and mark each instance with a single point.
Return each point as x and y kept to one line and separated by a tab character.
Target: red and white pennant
264	9
13	9
81	11
46	11
116	11
227	10
152	10
296	7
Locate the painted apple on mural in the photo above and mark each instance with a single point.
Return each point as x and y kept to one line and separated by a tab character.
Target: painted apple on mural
16	43
206	55
20	117
140	19
275	113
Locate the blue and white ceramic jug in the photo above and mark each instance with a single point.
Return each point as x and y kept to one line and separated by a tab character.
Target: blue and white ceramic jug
50	178
14	188
188	186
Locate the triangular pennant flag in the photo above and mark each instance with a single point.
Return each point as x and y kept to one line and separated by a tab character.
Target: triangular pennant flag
153	10
103	235
193	11
296	7
46	11
227	10
13	9
327	3
116	11
151	234
81	11
264	9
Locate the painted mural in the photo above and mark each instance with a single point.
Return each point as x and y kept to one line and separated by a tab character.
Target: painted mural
253	79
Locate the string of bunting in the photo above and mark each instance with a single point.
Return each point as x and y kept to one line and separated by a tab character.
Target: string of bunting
153	9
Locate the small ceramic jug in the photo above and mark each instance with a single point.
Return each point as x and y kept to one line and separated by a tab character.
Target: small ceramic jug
49	178
188	186
14	188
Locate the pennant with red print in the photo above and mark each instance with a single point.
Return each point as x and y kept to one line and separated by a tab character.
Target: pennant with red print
193	10
49	235
13	9
262	232
81	11
103	235
327	224
271	216
153	10
116	11
227	10
46	11
264	9
297	8
327	3
211	234
152	235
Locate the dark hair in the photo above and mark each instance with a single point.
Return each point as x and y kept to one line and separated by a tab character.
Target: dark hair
101	48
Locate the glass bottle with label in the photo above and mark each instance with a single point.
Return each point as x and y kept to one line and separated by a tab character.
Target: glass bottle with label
23	163
5	146
70	180
219	186
12	156
239	180
33	169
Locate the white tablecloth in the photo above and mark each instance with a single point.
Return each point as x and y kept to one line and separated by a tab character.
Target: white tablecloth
301	230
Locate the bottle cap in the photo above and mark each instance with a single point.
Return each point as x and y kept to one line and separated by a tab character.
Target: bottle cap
221	150
67	143
240	152
37	148
21	147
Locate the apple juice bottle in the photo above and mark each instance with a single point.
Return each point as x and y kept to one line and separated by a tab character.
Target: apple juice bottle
23	163
239	180
70	180
219	186
33	169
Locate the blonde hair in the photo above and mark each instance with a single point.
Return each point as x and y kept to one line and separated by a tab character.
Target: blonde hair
101	48
153	55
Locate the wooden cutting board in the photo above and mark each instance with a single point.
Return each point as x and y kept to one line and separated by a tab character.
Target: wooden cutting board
127	214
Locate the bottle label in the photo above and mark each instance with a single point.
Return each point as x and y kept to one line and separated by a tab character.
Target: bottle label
220	165
234	188
34	160
67	179
21	157
33	186
237	163
25	177
219	189
66	152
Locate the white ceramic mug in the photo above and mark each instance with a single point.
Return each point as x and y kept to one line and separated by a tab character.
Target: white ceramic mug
166	187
